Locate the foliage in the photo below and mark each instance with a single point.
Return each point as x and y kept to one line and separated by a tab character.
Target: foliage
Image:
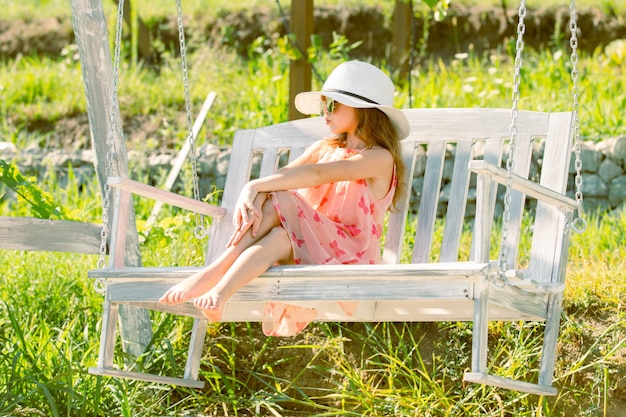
50	316
339	49
41	202
254	91
49	331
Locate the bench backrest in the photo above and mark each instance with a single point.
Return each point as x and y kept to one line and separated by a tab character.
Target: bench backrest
440	191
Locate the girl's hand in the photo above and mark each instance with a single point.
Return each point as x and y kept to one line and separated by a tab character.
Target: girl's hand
248	213
245	207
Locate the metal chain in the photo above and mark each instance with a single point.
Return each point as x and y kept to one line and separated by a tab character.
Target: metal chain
506	216
99	284
579	224
200	230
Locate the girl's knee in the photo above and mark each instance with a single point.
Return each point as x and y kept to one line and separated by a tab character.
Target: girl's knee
279	241
269	211
278	234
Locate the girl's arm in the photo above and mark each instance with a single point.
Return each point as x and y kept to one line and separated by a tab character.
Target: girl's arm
248	210
374	165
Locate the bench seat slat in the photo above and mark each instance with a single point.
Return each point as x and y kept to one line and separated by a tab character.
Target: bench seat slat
288	289
414	284
375	271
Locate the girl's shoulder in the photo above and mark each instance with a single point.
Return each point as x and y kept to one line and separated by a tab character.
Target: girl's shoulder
324	147
376	152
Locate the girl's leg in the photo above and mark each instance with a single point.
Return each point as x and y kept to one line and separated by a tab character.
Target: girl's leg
274	247
205	279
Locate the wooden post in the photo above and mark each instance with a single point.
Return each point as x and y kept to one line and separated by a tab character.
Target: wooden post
401	39
300	70
144	44
92	39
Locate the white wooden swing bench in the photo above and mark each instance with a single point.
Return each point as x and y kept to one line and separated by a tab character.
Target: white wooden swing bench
446	289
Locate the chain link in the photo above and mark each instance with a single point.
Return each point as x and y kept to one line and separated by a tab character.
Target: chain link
99	284
506	216
579	224
200	230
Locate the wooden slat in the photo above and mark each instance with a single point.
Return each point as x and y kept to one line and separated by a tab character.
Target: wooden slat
311	289
269	163
486	195
429	200
507	383
198	333
240	167
173	199
457	203
147	377
30	234
107	334
548	253
550	339
436	124
295	152
396	225
457	269
368	311
521	167
122	204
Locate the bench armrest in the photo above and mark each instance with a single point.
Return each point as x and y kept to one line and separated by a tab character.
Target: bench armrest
523	185
167	197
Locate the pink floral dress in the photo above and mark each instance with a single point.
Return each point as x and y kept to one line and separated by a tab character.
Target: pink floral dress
335	223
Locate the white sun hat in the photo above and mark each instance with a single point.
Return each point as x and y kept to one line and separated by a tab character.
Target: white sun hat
360	85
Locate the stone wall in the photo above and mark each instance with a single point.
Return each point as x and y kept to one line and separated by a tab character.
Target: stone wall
604	169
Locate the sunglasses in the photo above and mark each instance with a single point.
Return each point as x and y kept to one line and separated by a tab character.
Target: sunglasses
328	105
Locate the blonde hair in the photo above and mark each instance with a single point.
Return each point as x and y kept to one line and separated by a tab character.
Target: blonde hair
375	129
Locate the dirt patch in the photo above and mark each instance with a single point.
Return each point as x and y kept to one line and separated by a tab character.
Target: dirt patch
35	37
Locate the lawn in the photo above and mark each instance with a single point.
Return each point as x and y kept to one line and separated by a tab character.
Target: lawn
50	313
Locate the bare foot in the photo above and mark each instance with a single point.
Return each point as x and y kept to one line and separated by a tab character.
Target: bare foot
211	304
193	286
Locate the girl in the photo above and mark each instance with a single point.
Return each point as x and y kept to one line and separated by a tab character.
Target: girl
345	185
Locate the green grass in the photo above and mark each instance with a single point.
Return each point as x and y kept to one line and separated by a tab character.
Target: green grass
50	316
50	319
49	329
40	91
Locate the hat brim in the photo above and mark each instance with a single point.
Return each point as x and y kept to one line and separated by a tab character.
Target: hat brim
309	103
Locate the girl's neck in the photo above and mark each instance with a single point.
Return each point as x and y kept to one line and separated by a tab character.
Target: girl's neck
353	142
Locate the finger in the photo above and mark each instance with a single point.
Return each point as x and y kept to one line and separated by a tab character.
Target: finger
237	220
254	211
256	225
245	217
238	234
234	238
